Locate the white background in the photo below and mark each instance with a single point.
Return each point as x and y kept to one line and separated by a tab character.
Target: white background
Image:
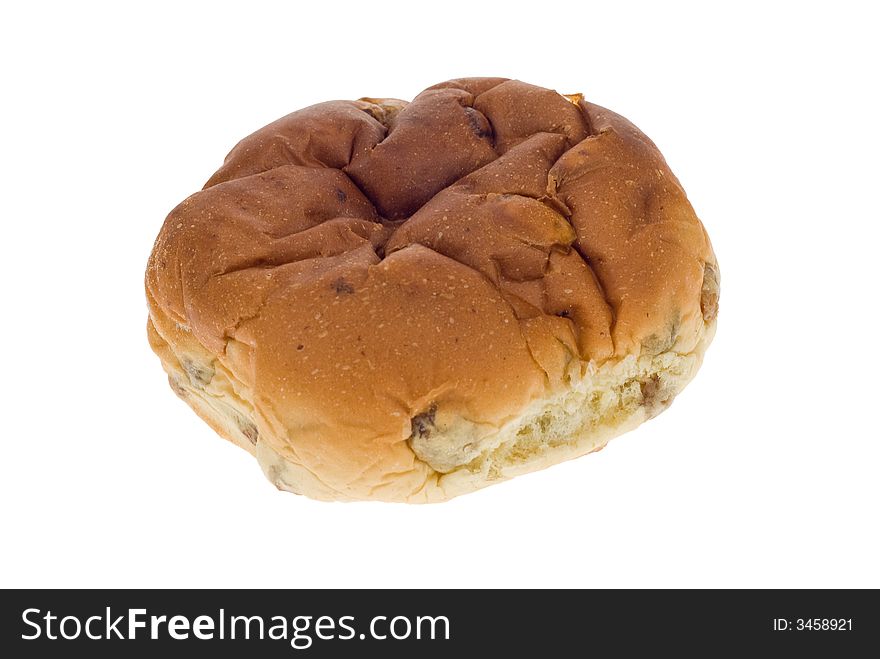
763	473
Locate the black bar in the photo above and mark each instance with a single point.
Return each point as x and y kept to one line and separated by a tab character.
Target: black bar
506	622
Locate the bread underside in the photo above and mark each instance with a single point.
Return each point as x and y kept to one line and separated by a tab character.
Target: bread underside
600	403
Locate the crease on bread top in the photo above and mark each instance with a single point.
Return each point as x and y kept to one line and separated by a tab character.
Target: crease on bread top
410	301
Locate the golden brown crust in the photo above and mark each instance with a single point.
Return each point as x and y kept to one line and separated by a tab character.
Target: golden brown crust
358	267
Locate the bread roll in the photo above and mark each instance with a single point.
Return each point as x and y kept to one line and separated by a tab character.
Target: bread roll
410	301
